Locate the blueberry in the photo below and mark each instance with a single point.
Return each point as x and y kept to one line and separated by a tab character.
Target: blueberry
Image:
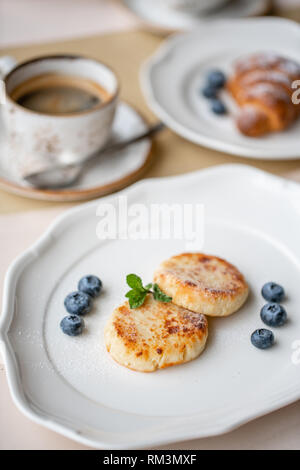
272	292
262	338
78	303
72	325
216	78
218	107
209	92
273	314
90	285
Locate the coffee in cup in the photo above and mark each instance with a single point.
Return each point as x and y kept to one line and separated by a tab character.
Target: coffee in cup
58	109
57	94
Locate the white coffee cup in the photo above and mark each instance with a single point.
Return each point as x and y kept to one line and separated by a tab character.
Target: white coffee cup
37	140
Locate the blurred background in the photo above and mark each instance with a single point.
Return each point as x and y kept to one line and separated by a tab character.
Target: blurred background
27	21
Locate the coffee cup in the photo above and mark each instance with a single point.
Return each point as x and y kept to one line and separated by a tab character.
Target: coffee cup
55	109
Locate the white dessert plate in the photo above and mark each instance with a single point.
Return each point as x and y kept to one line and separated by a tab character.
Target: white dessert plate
72	386
166	19
173	77
102	176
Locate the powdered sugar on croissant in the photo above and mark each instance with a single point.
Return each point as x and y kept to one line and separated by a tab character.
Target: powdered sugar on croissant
268	61
267	76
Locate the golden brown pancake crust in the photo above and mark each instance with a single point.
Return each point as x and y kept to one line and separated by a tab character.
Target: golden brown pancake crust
155	335
202	283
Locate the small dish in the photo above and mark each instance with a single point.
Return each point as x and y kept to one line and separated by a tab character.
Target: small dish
72	386
104	175
173	77
165	20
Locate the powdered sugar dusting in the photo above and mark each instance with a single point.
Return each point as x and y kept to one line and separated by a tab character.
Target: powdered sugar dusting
269	60
249	116
269	92
272	76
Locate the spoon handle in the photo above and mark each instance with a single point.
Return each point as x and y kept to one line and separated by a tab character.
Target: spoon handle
58	173
150	132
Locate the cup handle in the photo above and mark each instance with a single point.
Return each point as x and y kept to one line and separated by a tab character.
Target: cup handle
7	63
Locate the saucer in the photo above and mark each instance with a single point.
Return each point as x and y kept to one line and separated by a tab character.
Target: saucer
164	19
172	80
101	176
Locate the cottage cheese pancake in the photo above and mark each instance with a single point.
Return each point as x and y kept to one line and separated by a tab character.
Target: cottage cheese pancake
155	335
202	283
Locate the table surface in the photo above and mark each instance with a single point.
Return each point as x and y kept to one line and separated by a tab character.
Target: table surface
125	52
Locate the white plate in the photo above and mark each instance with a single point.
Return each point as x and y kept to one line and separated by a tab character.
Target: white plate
173	77
102	176
72	386
167	19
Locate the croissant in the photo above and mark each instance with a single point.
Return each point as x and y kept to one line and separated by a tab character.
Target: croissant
262	86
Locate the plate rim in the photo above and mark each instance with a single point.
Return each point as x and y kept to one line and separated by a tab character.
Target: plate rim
8	308
149	93
163	30
73	195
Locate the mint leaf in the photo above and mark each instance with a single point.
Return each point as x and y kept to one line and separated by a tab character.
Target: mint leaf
137	295
158	294
135	282
136	298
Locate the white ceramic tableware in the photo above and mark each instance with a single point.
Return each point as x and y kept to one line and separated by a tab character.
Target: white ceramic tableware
191	6
36	140
102	175
72	385
173	78
165	19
